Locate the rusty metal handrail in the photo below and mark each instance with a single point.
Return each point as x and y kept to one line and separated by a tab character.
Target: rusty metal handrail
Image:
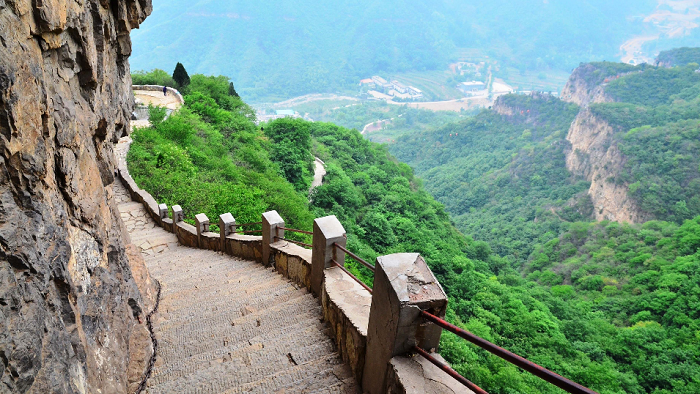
541	372
249	224
355	257
352	276
248	232
450	371
295	230
294	242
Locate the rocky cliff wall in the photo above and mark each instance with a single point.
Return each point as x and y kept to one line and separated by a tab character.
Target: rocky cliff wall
595	155
583	88
70	308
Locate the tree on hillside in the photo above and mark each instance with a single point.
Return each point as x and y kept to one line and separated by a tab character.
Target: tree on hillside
232	90
180	76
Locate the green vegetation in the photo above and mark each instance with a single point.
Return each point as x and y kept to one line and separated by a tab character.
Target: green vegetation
610	305
614	307
379	202
587	308
503	178
679	57
210	157
663	169
153	77
280	49
180	76
656	86
658	120
628	297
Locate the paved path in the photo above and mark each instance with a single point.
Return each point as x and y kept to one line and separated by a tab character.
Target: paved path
157	99
227	325
319	173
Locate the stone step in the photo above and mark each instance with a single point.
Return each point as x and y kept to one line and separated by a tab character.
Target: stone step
231	325
232	329
230	378
223	312
275	355
315	374
213	296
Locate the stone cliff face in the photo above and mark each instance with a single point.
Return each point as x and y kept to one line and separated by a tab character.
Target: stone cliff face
69	304
595	155
582	90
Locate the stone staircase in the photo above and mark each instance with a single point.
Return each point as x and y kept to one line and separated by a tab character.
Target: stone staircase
227	325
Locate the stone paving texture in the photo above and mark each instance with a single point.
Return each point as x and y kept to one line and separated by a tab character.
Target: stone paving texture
226	325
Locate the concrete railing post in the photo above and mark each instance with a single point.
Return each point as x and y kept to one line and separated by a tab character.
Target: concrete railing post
403	287
227	226
202	223
271	221
327	231
163	212
178	214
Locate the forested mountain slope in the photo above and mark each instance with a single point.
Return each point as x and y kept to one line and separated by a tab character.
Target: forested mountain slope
614	307
284	48
530	166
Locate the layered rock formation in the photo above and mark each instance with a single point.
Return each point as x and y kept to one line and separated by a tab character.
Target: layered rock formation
595	155
594	152
71	311
583	89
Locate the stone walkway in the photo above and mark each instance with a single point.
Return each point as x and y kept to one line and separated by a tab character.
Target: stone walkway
319	173
227	325
168	101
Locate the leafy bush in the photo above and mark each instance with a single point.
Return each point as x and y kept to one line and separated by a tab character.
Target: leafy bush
153	77
211	160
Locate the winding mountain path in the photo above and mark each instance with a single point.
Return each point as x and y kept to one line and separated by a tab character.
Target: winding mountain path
319	173
227	325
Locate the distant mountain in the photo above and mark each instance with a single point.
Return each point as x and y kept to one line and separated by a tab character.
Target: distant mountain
278	49
522	172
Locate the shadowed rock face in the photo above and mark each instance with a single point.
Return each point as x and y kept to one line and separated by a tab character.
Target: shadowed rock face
69	305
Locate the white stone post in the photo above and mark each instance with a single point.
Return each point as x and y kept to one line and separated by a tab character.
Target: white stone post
178	214
227	226
403	287
327	231
271	221
202	223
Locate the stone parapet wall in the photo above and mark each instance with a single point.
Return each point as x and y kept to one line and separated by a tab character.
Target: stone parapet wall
346	307
293	262
346	304
416	375
157	88
243	246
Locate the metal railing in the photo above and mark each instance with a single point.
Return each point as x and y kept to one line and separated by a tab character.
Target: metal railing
294	242
355	257
359	260
352	276
541	372
450	371
293	230
247	225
